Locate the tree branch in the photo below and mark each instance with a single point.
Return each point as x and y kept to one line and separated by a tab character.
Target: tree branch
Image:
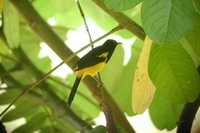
110	124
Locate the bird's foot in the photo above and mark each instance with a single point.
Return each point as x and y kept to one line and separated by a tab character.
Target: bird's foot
100	84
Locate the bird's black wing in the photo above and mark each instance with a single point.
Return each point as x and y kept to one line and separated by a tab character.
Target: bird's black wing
91	58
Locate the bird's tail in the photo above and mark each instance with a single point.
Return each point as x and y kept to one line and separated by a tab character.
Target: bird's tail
73	91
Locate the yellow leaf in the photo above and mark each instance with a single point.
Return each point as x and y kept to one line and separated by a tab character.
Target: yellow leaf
143	89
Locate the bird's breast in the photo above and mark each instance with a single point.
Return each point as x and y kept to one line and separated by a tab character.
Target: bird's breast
92	71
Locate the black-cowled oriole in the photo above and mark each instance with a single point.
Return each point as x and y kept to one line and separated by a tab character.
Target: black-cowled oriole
91	64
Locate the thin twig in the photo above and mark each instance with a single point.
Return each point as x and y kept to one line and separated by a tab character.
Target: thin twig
86	26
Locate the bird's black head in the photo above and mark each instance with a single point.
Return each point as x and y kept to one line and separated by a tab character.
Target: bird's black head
111	43
110	46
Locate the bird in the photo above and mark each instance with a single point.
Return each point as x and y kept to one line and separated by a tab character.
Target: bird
91	63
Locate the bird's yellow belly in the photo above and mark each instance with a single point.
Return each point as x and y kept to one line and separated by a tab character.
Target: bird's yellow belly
92	71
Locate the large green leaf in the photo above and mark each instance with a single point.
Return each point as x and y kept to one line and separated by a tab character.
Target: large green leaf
167	21
121	5
164	114
174	74
11	24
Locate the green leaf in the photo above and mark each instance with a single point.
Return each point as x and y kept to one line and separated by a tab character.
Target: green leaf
174	74
61	6
45	8
27	36
167	21
6	66
32	50
196	4
8	96
11	24
61	32
25	107
33	124
194	36
3	47
71	18
121	5
21	77
163	113
111	75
